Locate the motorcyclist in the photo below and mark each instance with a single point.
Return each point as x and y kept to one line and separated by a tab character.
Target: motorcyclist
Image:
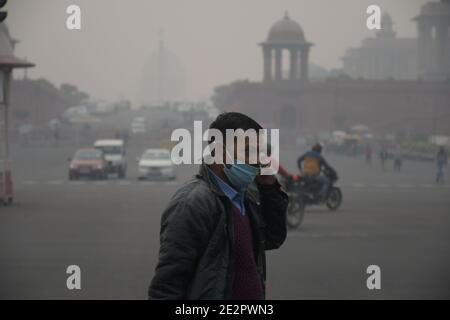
311	165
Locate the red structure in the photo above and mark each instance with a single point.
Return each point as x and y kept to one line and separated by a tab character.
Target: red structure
298	105
8	62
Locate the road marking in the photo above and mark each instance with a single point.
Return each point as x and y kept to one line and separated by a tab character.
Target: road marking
77	183
100	183
159	183
147	183
315	235
55	182
382	185
358	185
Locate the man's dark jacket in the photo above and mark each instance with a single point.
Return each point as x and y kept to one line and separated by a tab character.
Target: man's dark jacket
196	238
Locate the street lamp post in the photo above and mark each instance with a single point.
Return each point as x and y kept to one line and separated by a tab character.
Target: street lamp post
5	171
8	63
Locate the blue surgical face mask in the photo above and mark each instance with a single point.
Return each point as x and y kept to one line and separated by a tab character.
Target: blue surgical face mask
240	174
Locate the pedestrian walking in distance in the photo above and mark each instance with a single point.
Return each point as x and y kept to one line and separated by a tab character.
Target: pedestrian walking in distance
383	158
441	163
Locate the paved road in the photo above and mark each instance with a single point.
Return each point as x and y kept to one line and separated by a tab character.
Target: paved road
398	221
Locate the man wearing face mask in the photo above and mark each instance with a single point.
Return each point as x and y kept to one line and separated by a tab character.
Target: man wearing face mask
216	228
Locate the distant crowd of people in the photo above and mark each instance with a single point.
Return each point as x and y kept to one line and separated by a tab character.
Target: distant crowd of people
396	155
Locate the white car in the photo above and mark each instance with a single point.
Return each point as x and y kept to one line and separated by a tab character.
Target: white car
115	155
156	164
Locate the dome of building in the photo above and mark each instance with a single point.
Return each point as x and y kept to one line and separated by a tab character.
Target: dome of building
286	30
386	21
7	57
436	9
387	29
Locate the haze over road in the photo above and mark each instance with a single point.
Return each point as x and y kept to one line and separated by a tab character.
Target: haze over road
398	221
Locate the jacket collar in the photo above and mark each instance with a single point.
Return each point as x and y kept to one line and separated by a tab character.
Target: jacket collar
205	175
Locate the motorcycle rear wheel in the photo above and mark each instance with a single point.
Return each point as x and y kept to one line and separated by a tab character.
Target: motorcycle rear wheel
334	199
295	213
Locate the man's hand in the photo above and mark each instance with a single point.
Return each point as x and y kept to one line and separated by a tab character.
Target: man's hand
266	179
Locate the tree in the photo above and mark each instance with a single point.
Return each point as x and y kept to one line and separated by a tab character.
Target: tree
72	95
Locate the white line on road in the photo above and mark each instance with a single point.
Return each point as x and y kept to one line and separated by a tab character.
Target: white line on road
30	182
147	183
299	233
382	185
55	182
77	183
159	183
358	185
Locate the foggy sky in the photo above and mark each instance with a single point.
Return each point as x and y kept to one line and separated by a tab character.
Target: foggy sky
216	40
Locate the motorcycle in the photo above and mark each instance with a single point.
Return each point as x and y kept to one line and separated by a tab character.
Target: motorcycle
304	191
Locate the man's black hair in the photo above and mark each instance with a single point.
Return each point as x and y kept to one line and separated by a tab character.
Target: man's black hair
234	120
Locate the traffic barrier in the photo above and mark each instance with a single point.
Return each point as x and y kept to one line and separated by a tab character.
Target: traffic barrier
6	187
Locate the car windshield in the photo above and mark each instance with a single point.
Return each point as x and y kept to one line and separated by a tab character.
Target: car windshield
88	155
156	155
111	149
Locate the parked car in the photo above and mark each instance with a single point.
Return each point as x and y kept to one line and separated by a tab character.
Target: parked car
89	163
115	155
156	164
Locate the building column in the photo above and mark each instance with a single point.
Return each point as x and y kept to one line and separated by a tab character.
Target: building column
304	53
447	49
425	48
442	45
278	75
293	73
267	52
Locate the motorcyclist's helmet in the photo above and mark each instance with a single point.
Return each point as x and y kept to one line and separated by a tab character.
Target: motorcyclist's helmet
317	148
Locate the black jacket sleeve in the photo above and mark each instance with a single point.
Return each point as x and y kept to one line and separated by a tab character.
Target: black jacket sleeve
325	164
274	204
185	232
299	162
